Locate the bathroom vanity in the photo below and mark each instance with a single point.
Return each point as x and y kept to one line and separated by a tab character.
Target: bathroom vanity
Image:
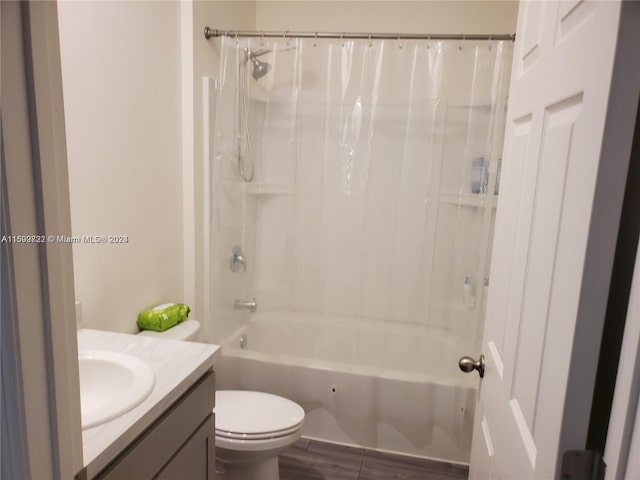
171	434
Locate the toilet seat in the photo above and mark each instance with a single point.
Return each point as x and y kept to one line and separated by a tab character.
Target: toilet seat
251	416
256	445
258	436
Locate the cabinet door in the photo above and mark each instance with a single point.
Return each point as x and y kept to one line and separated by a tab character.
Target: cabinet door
195	460
158	445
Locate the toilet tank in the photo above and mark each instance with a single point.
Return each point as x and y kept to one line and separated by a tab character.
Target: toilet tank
185	331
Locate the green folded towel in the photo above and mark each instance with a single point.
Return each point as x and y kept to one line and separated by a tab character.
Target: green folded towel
163	317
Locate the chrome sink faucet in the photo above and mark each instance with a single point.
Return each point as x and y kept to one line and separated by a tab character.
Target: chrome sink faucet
250	305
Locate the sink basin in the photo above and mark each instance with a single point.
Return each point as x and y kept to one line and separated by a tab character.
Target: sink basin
111	384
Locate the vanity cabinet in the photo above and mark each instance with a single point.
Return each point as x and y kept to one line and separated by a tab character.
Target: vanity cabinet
178	446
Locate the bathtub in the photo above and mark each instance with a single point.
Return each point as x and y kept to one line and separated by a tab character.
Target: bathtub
390	387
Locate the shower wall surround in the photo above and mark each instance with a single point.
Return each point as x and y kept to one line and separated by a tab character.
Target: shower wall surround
362	203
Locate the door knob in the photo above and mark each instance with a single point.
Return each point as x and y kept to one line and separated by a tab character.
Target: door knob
468	364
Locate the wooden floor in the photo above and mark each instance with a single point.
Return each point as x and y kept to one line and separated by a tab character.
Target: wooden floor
314	460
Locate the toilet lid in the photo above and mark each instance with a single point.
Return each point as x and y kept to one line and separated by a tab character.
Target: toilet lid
255	413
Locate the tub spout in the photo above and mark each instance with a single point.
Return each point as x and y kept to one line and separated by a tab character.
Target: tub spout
251	305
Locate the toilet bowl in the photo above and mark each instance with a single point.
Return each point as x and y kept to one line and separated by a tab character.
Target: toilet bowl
252	428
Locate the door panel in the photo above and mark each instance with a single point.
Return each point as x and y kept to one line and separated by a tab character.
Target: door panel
540	265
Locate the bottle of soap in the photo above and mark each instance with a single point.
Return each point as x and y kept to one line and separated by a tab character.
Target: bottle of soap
479	175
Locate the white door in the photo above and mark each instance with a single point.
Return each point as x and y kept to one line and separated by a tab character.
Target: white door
560	85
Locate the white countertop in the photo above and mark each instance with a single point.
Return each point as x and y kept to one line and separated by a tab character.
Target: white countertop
177	366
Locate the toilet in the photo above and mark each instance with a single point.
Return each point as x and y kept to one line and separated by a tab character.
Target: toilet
252	428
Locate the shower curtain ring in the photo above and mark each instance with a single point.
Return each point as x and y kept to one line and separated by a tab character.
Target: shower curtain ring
236	37
490	37
400	40
315	39
262	40
370	42
342	38
429	41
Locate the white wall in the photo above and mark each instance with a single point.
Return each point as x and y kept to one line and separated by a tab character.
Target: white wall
121	80
474	16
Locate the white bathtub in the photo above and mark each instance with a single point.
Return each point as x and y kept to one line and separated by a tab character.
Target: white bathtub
361	382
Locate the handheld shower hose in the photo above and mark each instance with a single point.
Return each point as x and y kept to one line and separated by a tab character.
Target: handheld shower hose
260	69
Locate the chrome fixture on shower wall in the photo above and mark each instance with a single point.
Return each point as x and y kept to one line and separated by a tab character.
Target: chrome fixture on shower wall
250	305
260	69
237	260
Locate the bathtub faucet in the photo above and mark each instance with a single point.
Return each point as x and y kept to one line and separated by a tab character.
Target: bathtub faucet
249	305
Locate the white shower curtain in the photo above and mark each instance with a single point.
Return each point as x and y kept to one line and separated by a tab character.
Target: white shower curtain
376	166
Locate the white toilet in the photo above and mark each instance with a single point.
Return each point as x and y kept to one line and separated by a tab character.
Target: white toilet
252	428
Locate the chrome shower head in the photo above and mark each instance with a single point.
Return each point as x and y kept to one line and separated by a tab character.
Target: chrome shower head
260	69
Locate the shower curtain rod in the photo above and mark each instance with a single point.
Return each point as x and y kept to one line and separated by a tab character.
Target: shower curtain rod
210	32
